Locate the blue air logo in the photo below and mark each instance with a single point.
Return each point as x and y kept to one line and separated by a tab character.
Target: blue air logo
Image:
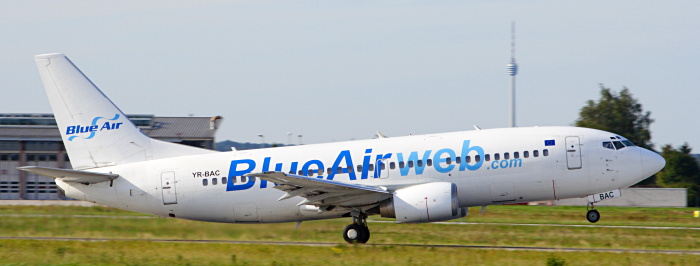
413	162
93	128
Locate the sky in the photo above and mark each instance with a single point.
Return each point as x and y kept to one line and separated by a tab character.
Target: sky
341	70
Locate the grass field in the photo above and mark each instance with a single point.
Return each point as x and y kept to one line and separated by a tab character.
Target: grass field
501	229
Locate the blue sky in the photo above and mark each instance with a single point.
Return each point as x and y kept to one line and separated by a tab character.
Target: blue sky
340	70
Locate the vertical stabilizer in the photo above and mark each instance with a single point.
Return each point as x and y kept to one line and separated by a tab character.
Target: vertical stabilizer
94	131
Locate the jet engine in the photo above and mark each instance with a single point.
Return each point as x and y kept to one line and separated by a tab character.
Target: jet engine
430	202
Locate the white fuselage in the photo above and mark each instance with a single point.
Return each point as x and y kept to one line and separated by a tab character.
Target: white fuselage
514	165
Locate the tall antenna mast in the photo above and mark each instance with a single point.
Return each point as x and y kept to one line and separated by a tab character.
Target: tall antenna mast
512	71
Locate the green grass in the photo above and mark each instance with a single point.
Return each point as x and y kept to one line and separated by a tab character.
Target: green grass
680	217
152	253
100	222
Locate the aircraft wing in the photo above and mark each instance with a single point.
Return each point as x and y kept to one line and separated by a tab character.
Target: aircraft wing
323	192
66	175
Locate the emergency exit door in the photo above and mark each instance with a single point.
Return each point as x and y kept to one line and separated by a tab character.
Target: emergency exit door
167	180
573	152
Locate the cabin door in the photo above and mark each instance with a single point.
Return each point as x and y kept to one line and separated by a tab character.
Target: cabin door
167	180
382	168
573	153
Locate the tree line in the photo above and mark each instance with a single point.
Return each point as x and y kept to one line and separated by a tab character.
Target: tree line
622	114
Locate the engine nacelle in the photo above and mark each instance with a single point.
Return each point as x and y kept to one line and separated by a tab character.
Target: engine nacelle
424	203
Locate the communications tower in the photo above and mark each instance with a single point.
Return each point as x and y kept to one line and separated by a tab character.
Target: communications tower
512	71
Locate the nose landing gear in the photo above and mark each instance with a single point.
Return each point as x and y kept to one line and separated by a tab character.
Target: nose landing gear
357	232
592	215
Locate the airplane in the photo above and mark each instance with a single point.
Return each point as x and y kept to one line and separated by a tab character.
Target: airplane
413	179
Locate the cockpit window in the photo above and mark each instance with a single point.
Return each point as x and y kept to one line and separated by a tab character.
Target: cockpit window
608	145
618	145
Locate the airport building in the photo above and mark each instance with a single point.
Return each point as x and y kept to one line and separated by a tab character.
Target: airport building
35	140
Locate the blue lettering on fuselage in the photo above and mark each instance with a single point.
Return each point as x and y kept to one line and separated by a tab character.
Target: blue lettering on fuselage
343	164
506	163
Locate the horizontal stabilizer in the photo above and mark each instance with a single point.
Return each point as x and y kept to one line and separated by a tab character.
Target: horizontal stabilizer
66	175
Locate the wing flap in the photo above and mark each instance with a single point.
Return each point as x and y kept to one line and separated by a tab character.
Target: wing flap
66	175
298	181
322	192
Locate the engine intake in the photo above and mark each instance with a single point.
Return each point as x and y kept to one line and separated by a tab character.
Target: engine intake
431	202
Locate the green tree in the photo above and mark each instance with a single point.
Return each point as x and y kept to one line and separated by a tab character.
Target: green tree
681	171
619	114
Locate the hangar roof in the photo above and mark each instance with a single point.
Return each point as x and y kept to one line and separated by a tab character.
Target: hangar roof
43	127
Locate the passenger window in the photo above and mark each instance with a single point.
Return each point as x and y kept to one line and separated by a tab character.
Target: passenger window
223	180
458	160
506	156
487	157
448	160
468	159
392	165
420	163
410	164
536	153
430	162
496	156
516	155
371	167
213	181
300	173
359	168
477	158
618	145
382	166
526	154
402	165
205	182
320	171
545	152
608	145
245	179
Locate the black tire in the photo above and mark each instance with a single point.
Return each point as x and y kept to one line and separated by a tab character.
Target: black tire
353	233
593	216
365	235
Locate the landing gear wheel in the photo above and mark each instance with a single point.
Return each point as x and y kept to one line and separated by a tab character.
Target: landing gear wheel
365	234
357	232
354	233
593	216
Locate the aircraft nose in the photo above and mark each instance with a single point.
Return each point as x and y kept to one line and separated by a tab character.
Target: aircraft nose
652	163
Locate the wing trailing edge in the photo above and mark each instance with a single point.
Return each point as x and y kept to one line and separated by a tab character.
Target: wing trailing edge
322	192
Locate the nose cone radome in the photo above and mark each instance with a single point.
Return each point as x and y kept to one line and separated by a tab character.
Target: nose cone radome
652	163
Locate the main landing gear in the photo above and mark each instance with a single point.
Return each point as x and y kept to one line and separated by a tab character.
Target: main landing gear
357	231
592	215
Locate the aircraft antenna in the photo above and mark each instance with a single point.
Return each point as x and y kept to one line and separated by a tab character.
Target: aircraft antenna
512	71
